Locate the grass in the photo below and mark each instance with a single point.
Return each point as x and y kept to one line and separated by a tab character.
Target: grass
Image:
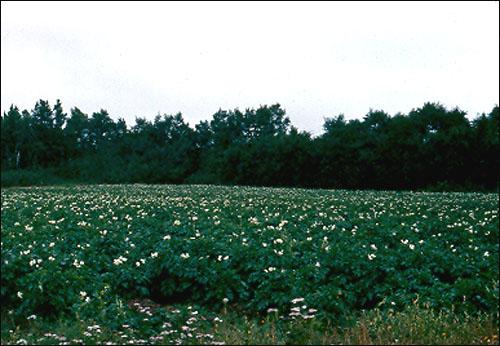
414	325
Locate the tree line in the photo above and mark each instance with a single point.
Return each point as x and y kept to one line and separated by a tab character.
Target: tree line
430	147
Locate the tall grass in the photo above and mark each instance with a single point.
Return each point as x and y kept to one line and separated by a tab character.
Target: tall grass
414	325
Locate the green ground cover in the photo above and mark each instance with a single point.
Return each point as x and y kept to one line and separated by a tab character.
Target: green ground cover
257	265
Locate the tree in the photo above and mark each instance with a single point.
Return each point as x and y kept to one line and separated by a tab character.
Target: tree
14	138
485	148
77	131
101	127
430	146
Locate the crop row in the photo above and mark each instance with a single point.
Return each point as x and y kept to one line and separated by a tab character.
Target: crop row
71	247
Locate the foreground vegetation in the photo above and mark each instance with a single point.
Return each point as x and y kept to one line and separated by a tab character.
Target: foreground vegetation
414	325
204	264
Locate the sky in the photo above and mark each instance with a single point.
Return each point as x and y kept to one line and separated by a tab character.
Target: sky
317	59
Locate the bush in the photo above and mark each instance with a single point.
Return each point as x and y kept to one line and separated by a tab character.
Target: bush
23	177
446	186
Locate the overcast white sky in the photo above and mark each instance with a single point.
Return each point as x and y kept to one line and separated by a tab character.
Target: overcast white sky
316	59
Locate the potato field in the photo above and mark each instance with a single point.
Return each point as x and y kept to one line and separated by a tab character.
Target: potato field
100	252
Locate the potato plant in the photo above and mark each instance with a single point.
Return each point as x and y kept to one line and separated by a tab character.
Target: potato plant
78	249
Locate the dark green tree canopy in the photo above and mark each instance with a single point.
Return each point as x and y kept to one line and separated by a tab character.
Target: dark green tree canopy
431	146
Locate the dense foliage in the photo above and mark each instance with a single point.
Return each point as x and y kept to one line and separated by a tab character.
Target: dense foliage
431	147
79	249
